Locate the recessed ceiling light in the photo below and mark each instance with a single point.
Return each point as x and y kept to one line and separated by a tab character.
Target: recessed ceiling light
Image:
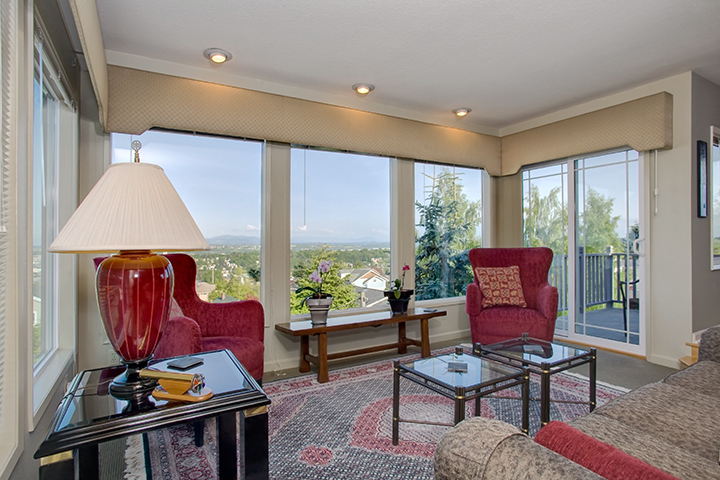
217	55
363	88
461	112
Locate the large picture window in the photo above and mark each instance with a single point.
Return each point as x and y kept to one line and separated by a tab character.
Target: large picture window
219	179
340	211
448	220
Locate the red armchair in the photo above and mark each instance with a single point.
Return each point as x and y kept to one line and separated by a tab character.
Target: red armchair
237	326
498	323
202	326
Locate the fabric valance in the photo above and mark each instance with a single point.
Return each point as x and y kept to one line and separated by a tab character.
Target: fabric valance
140	100
642	124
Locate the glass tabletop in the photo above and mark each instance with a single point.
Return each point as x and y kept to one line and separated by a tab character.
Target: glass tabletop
91	403
479	370
535	352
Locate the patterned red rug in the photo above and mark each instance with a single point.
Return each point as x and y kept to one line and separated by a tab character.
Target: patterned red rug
343	428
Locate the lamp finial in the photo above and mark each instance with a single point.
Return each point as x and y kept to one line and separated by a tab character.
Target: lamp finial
136	145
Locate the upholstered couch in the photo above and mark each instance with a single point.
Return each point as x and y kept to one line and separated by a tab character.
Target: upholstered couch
672	426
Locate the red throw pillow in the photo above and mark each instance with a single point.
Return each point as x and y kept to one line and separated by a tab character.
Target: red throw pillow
500	286
603	459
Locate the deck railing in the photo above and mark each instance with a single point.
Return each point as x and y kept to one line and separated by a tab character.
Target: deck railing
607	278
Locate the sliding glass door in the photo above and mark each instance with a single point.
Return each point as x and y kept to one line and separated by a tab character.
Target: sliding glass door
591	207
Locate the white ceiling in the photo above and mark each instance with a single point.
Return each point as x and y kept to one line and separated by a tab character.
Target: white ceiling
509	61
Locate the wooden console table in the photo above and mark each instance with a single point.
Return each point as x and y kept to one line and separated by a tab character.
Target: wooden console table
305	328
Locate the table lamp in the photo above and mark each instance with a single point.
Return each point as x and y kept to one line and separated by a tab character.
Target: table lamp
133	210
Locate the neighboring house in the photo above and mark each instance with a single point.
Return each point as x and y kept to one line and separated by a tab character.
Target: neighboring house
369	278
369	283
203	290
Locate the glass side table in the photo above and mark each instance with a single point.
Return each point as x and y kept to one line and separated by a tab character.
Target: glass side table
545	359
482	378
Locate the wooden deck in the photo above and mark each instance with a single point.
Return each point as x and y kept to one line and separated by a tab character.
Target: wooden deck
607	323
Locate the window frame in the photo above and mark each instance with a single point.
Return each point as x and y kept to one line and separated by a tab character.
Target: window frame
46	376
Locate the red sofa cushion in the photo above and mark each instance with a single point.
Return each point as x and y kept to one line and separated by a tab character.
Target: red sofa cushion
600	457
500	286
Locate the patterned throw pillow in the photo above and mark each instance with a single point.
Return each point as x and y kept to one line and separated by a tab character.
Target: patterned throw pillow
500	286
175	310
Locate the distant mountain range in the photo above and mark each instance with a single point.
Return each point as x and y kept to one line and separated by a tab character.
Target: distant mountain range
233	240
247	240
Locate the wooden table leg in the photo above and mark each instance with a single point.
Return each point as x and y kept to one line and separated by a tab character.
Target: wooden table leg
322	358
424	338
88	462
304	350
402	338
256	445
227	446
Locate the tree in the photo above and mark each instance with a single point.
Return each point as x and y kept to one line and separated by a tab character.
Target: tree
597	227
447	220
344	294
545	221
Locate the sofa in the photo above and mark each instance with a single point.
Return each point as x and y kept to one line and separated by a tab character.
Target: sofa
667	429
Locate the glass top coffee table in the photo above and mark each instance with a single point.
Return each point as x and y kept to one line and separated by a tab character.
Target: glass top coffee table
481	378
545	359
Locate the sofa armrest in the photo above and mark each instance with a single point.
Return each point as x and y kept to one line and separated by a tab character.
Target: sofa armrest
547	301
180	337
709	348
481	448
473	299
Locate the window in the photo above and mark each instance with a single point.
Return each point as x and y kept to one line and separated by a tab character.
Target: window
340	211
46	126
52	173
219	179
448	219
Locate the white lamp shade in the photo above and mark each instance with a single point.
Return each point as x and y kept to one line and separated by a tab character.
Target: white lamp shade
132	207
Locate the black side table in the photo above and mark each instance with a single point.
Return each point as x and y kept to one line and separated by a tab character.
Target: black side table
88	415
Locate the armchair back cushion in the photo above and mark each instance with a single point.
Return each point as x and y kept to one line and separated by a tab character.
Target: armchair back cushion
490	324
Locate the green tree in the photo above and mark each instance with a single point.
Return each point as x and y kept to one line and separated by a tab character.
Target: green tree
447	220
545	220
597	227
344	294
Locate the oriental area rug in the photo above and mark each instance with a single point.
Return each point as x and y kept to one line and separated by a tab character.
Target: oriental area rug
343	428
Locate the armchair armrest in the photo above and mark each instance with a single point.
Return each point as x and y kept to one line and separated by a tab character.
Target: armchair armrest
245	318
473	299
710	344
181	337
547	301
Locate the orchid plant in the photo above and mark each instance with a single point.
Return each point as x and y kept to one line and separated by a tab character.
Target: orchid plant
318	277
397	285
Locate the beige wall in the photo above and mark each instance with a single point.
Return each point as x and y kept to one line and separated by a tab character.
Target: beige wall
705	282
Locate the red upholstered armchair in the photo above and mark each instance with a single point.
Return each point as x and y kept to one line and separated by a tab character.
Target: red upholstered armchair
497	323
198	326
237	326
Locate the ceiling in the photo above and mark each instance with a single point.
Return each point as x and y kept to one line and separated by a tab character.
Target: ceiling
509	61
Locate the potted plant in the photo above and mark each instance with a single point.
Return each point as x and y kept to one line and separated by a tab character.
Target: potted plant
397	295
317	301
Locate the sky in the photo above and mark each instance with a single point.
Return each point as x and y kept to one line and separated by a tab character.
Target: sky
335	197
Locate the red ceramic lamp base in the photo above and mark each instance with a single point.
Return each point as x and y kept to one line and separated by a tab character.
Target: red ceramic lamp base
134	291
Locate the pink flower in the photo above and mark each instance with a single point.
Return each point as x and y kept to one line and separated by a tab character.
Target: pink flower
324	266
315	277
406	268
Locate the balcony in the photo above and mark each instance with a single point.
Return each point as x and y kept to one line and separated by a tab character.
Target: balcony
609	288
